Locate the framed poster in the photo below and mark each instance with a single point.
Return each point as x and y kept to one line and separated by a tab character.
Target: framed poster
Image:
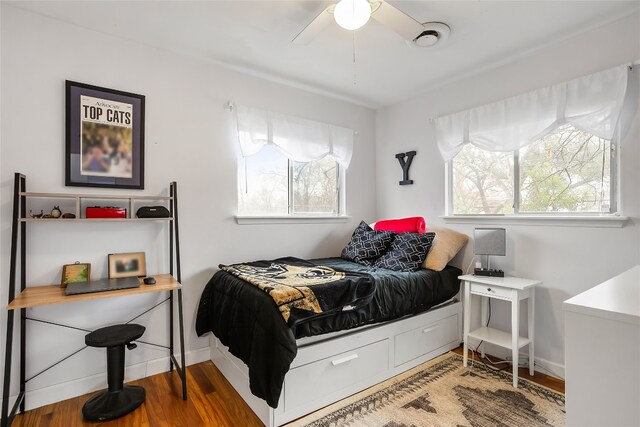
105	137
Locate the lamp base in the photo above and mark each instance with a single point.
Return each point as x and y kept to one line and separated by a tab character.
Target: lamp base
488	272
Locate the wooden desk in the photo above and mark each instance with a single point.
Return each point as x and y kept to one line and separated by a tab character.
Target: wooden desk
53	294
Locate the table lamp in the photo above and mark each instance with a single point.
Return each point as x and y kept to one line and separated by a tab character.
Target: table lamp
490	241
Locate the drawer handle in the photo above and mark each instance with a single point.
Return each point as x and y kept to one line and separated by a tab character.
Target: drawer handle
427	330
488	289
344	359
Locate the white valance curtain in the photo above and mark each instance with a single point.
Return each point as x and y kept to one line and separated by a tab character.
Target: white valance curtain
299	139
591	103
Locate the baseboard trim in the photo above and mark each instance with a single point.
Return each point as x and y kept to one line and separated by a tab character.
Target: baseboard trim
66	390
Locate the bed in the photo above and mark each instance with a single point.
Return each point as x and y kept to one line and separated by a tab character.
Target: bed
285	370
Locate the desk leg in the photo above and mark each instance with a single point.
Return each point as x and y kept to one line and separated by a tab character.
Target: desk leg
465	336
170	331
23	352
183	372
7	370
515	328
531	325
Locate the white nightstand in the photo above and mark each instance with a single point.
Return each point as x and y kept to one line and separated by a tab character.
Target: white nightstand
512	289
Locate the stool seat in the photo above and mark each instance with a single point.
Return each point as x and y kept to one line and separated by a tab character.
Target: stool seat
114	335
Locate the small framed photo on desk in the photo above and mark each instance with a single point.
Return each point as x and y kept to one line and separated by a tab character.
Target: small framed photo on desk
78	272
131	264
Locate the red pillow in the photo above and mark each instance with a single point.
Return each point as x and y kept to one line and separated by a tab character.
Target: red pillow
414	224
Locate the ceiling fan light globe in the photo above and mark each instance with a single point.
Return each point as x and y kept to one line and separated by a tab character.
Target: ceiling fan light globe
352	14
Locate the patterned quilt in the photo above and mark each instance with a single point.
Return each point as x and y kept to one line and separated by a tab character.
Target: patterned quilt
302	290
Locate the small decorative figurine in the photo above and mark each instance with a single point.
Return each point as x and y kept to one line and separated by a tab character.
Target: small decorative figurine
68	216
32	215
56	212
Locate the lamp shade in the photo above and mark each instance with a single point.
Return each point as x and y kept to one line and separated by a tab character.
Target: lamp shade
490	241
352	14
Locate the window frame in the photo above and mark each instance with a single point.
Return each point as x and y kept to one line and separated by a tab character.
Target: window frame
290	196
615	206
290	216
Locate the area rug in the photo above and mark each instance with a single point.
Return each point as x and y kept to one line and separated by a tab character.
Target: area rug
442	392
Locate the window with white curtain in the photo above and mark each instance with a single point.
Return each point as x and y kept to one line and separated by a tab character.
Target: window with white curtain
550	151
289	165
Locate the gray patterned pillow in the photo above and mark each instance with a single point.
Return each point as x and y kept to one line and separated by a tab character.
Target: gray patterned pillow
407	252
367	245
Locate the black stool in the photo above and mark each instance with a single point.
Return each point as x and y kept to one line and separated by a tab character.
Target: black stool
118	400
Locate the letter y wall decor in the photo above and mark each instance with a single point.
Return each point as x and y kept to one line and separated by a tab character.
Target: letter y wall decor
405	160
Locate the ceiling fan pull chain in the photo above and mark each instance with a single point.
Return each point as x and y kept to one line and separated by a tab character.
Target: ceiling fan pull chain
354	59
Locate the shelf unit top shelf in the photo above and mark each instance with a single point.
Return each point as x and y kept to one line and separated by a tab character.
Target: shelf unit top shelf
79	198
92	219
36	296
93	196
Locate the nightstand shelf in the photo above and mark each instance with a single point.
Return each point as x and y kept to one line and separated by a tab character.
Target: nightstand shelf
497	337
508	289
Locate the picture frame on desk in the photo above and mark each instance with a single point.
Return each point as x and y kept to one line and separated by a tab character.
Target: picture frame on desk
104	137
78	272
131	264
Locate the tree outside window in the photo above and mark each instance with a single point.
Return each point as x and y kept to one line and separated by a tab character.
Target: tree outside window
566	171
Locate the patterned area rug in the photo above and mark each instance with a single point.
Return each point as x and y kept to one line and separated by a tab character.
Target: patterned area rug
443	393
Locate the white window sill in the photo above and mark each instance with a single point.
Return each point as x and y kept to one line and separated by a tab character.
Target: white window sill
290	219
609	221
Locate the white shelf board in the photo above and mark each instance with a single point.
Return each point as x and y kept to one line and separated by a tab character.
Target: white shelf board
497	337
505	282
93	196
91	219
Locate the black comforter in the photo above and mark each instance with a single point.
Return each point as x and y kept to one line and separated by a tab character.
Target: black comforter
247	321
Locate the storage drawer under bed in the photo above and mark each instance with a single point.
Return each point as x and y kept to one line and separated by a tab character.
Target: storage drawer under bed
332	374
426	338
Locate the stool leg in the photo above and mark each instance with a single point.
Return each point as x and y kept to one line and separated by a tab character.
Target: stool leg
115	367
119	400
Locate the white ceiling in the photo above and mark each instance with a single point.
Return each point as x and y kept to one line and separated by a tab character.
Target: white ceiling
256	36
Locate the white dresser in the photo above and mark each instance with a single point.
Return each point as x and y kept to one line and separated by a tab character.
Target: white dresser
602	353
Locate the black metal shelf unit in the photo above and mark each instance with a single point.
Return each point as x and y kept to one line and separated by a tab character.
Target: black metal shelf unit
18	241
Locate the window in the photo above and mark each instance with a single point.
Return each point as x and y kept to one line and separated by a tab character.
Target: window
290	166
482	182
567	171
549	151
271	184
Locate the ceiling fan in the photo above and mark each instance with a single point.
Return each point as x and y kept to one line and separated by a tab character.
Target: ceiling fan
353	14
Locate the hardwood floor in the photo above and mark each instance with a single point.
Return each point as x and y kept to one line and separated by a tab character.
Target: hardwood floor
548	381
212	402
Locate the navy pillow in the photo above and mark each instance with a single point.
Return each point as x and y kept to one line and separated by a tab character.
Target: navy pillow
367	244
407	252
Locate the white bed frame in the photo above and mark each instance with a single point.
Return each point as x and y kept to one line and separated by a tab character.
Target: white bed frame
331	367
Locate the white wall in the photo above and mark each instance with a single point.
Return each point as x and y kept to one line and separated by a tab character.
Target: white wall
188	139
568	259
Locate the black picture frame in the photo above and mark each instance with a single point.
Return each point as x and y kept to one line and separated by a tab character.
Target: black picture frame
104	137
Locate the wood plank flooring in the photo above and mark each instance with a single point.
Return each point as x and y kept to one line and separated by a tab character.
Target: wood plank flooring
545	380
212	402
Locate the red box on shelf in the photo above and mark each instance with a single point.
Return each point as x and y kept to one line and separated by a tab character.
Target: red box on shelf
105	212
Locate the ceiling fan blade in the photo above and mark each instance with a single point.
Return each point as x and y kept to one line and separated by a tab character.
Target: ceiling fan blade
398	21
314	27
